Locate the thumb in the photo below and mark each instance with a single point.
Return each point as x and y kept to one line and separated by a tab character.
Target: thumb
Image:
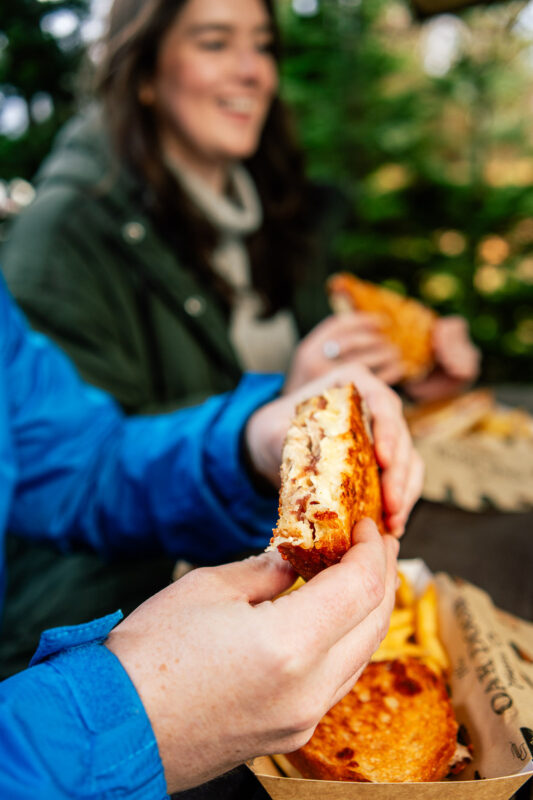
258	578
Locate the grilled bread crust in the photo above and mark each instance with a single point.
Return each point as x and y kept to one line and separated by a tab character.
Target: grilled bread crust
442	419
329	481
396	725
405	322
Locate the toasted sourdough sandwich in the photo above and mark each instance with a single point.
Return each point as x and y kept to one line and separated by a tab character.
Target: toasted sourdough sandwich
396	725
329	480
444	419
405	322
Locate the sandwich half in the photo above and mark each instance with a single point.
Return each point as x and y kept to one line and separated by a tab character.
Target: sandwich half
396	725
329	480
405	322
445	419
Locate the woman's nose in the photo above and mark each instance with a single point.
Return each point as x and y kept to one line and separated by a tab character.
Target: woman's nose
248	63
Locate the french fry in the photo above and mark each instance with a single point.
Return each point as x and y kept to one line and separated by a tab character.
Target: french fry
405	594
413	629
401	617
432	664
390	653
426	627
396	637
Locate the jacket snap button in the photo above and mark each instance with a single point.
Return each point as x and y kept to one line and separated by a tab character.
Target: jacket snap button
133	232
194	306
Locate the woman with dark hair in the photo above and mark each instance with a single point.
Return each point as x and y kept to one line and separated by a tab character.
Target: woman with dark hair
175	240
174	243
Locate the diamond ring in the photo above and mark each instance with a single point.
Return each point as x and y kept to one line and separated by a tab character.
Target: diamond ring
331	349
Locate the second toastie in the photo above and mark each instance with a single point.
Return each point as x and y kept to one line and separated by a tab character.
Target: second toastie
396	725
405	322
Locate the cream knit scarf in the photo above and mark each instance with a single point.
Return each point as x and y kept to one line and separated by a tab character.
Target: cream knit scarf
262	345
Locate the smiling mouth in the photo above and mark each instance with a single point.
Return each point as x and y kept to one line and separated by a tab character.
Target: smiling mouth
238	105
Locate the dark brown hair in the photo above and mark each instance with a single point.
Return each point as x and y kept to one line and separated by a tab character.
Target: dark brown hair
136	28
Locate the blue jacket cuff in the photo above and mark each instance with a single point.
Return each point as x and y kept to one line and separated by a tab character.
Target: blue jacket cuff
56	639
78	720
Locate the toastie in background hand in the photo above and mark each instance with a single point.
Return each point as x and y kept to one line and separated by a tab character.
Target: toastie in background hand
396	725
405	322
329	480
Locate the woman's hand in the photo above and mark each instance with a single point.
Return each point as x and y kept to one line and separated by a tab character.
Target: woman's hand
226	673
401	467
343	339
458	362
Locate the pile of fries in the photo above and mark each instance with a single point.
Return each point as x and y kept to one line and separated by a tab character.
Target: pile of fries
414	629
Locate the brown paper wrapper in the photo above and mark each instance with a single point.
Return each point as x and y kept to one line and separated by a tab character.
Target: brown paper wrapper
477	453
477	471
492	692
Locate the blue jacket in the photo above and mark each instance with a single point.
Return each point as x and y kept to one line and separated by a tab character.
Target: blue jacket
71	465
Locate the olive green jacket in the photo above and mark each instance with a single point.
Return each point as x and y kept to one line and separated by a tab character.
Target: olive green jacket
88	268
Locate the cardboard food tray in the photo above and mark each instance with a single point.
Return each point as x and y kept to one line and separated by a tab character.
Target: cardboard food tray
492	693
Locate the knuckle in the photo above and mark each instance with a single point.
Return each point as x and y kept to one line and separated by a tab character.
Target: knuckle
391	399
396	401
382	629
292	665
374	585
197	577
284	661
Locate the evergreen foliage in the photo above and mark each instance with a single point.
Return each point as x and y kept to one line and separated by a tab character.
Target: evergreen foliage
36	67
439	168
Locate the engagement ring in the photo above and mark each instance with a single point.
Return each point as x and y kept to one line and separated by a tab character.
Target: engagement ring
331	349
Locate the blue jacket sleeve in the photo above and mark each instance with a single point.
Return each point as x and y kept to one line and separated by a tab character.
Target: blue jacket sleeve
85	473
73	726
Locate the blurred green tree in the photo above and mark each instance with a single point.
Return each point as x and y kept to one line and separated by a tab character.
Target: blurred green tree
428	128
40	50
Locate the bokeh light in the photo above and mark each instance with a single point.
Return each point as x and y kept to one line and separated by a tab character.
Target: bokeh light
61	23
440	287
489	279
21	192
14	116
390	178
493	249
524	270
451	243
524	331
305	8
41	107
522	233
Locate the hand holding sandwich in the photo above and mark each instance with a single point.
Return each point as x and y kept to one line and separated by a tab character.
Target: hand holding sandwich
226	673
344	339
457	362
401	466
397	337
